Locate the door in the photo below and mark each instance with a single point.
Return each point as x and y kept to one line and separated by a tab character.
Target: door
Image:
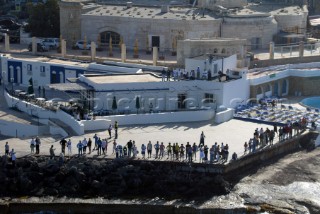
182	101
155	40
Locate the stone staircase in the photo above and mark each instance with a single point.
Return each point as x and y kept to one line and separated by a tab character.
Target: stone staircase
64	126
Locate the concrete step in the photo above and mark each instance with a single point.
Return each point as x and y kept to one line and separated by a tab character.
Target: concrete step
64	126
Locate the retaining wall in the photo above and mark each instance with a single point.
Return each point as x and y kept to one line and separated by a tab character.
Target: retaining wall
165	117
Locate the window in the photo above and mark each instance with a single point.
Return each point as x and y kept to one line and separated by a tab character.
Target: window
42	71
29	69
215	68
105	37
208	98
182	101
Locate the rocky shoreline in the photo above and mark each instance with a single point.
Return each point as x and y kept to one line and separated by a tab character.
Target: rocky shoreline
89	185
84	177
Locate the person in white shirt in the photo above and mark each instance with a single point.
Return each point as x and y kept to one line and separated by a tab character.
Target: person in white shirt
103	145
84	145
32	145
69	147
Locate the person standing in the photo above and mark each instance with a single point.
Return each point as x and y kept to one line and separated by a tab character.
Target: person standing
187	149
245	147
275	128
69	147
157	148
202	136
189	152
6	149
95	137
114	146
99	146
194	150
149	149
182	150
201	155
38	143
161	150
79	146
163	75
211	154
104	144
169	150
32	145
116	130
143	151
84	145
109	130
63	143
89	145
13	157
129	144
51	151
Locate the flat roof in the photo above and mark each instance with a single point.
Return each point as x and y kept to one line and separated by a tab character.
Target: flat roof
46	59
70	87
128	78
177	13
266	9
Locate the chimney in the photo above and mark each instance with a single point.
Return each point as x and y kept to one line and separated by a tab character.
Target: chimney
164	8
129	4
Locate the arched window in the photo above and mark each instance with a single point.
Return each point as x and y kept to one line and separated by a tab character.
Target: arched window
223	50
267	88
215	50
105	36
53	77
259	90
11	74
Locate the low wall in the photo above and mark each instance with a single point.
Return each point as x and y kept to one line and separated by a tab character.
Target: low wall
166	117
98	124
283	61
224	116
14	129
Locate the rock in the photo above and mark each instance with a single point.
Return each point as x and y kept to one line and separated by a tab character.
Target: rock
96	185
52	169
51	191
25	184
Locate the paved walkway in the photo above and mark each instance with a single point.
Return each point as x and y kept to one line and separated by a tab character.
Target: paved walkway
233	132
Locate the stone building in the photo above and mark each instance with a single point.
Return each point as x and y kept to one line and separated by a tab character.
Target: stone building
163	26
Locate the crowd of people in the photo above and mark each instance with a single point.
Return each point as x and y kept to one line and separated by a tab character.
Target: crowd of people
188	152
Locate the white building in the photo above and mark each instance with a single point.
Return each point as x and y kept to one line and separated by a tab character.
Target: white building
158	96
211	63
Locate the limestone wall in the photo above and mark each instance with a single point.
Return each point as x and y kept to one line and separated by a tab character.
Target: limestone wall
292	22
70	21
131	29
251	27
196	47
210	4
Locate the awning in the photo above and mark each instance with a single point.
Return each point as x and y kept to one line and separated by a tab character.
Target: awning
70	87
